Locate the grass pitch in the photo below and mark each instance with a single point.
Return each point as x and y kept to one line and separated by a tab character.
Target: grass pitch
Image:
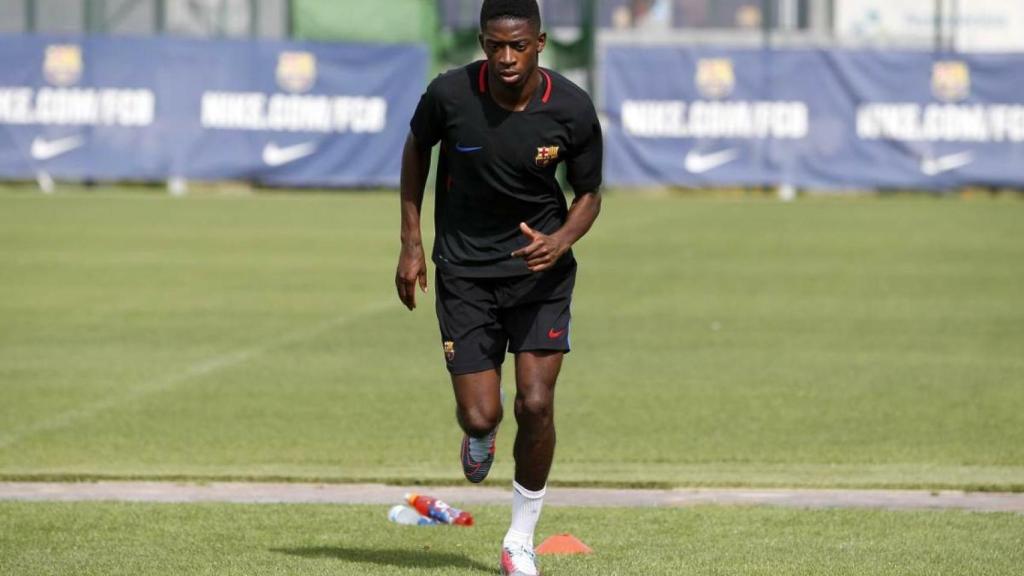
150	539
828	342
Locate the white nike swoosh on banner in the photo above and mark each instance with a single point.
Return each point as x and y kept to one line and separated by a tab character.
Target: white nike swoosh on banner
43	149
699	162
273	155
936	166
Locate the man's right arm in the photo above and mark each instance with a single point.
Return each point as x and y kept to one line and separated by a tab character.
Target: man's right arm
412	265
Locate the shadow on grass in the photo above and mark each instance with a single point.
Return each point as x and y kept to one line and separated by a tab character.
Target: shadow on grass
402	557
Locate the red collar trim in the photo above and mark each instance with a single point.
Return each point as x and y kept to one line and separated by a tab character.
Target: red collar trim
482	82
547	91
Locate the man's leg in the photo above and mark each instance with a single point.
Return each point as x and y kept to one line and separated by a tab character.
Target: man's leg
474	346
478	401
536	318
536	373
479	411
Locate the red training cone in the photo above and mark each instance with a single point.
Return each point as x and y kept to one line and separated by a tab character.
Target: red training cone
563	544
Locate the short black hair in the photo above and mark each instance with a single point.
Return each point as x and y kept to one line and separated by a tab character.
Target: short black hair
513	9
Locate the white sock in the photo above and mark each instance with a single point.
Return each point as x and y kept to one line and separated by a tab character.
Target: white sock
526	505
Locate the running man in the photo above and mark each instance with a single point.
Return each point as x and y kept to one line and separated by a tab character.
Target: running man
505	270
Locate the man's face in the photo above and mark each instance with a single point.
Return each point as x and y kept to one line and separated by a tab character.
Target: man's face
512	46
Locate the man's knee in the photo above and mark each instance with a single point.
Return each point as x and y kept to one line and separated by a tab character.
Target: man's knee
478	421
535	406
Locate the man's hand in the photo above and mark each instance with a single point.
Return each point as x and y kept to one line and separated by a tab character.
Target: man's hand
412	269
543	250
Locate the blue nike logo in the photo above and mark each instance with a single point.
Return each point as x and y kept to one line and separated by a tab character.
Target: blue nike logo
462	148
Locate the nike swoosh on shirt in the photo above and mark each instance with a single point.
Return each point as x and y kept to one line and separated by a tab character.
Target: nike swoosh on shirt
936	166
698	162
274	155
43	149
462	148
555	335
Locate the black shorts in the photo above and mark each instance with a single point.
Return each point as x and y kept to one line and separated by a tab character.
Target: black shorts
481	318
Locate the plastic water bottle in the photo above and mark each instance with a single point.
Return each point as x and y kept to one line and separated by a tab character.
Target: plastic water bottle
438	510
404	515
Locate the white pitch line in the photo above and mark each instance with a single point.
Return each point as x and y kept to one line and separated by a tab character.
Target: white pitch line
208	366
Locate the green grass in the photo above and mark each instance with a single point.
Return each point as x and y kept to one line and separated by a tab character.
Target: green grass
828	342
223	539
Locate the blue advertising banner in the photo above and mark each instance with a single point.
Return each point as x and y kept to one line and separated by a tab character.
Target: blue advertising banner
279	113
699	116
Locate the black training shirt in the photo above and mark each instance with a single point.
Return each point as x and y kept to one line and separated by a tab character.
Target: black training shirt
497	167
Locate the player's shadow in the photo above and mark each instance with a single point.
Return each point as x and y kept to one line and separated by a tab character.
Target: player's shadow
401	557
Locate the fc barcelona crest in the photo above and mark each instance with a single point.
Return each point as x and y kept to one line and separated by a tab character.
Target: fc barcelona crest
448	347
546	155
715	77
62	65
951	80
296	71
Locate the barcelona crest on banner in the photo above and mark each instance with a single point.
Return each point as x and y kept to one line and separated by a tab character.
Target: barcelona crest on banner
951	80
62	64
296	71
715	77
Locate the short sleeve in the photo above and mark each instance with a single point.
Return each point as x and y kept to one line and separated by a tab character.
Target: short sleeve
583	166
428	121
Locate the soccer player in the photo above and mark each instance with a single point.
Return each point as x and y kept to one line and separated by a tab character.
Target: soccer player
505	270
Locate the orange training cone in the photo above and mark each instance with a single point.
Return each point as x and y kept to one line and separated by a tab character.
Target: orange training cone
563	544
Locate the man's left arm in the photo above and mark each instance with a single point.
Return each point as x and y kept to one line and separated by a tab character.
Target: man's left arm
545	249
583	169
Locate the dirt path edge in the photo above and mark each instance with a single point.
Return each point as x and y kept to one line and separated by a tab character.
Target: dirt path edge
297	493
